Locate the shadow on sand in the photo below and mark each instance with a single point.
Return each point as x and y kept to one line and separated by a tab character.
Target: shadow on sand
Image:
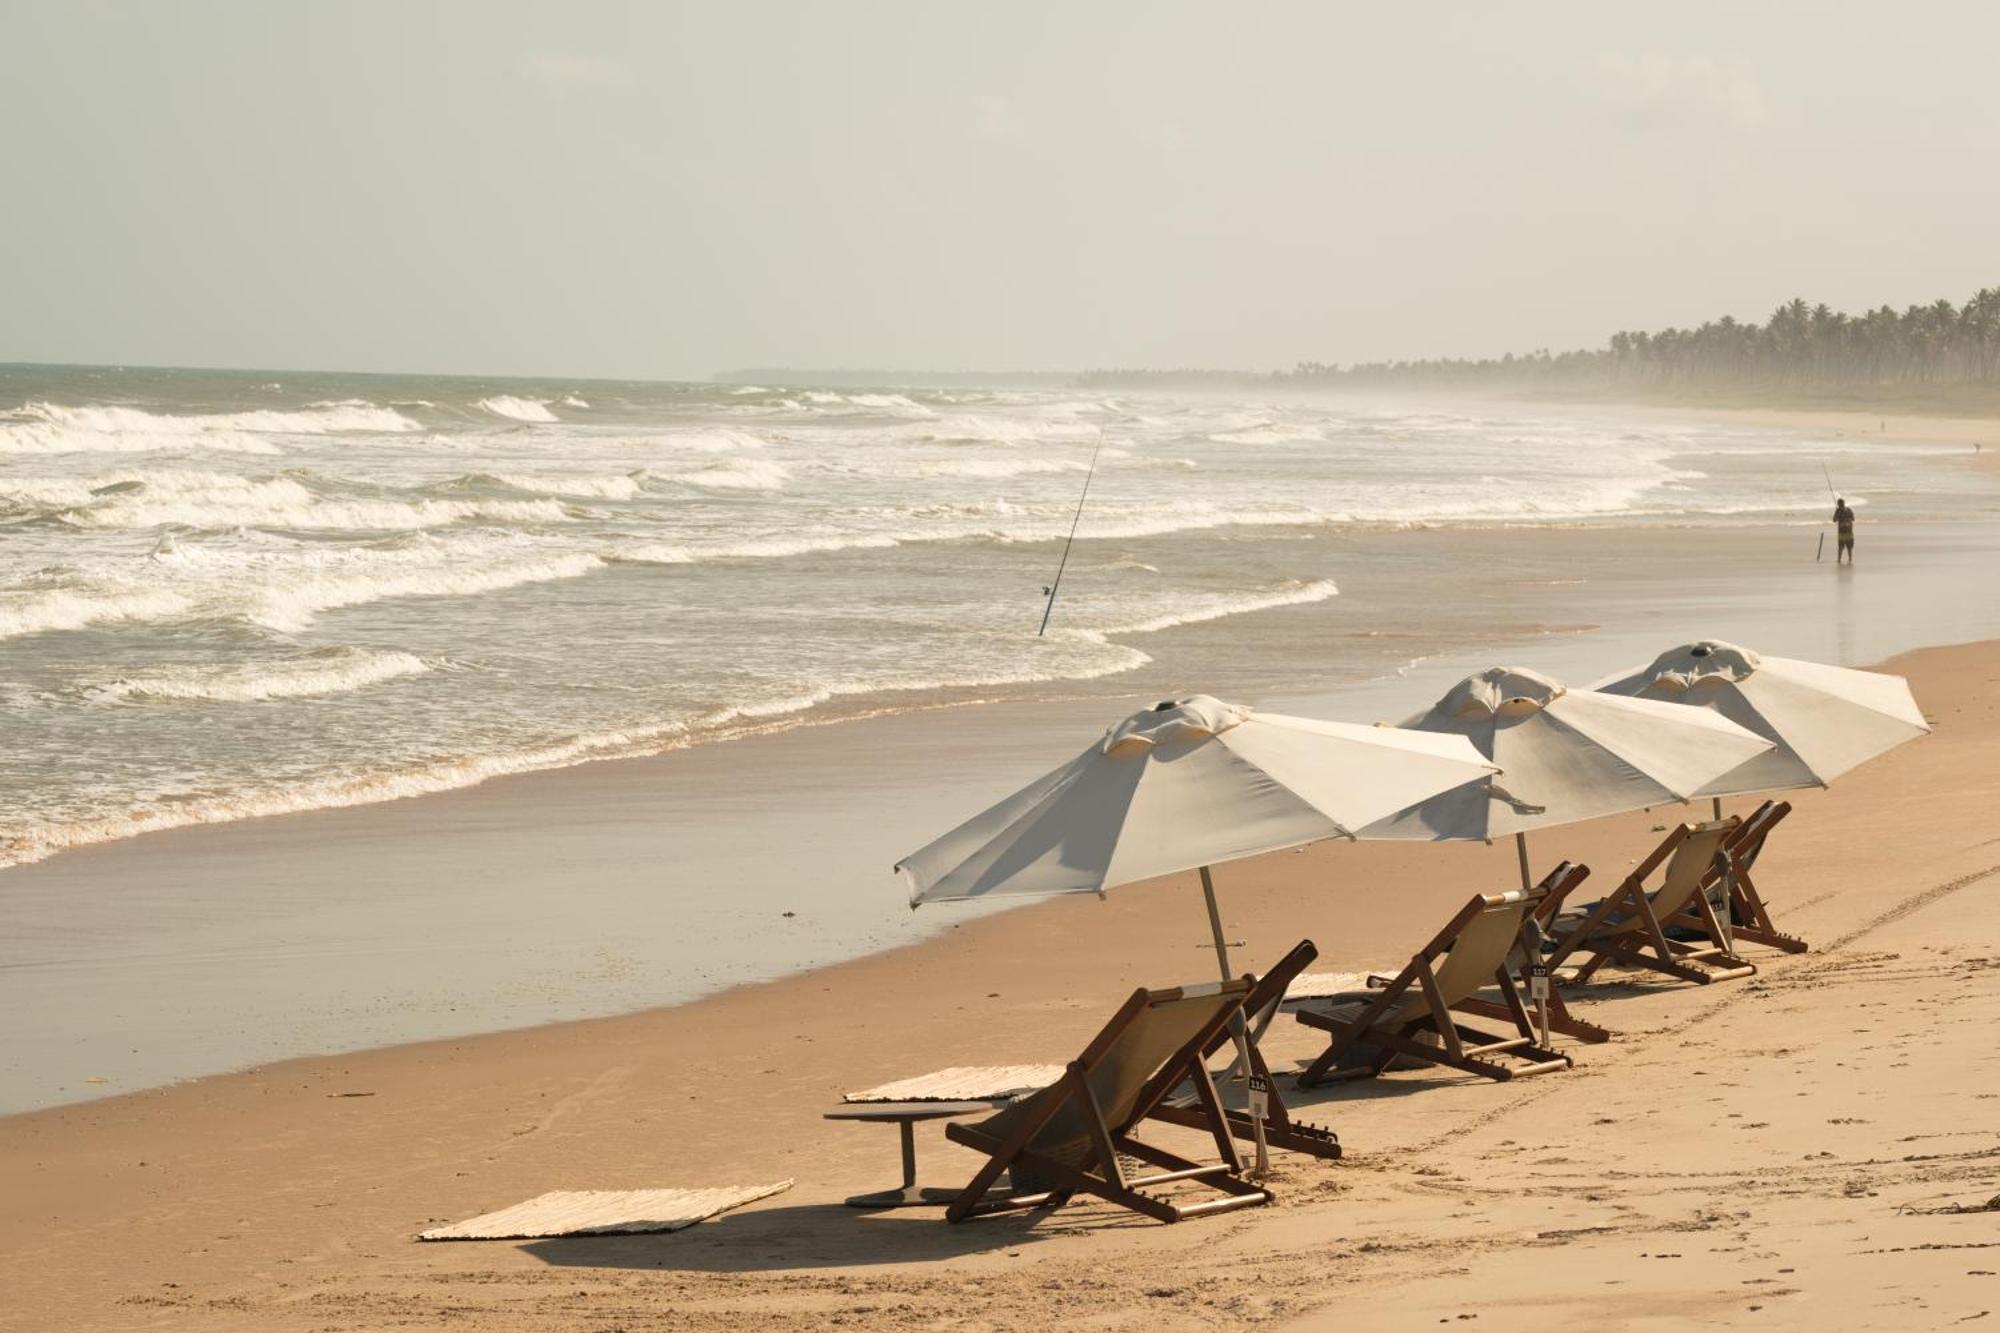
824	1236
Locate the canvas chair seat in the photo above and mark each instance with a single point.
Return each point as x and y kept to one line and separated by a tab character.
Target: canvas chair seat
1278	1129
1630	925
1075	1135
1419	1015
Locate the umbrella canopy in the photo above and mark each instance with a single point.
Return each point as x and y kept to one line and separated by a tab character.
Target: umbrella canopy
1565	755
1190	782
1822	720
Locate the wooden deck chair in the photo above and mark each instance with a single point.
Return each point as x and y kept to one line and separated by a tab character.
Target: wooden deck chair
1555	888
1068	1137
1470	953
1736	893
1280	1130
1629	926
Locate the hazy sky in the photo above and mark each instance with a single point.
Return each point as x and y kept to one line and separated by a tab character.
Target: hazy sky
669	190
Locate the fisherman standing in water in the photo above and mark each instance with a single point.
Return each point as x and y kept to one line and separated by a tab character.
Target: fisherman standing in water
1843	519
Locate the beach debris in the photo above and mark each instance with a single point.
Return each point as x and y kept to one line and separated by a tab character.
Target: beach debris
1992	1205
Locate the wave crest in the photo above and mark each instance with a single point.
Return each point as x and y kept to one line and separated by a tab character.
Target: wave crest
534	411
215	500
1221	606
330	671
738	474
48	428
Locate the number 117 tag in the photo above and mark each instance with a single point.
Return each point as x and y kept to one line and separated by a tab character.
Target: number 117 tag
1538	982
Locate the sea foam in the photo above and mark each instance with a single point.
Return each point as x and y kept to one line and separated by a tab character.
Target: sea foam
46	428
330	671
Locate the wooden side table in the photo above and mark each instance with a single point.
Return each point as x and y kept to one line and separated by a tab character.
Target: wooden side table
905	1115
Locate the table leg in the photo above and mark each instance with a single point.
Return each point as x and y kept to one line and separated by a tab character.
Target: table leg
909	1194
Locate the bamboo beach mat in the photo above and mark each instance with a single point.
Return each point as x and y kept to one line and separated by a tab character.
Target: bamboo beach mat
963	1083
603	1212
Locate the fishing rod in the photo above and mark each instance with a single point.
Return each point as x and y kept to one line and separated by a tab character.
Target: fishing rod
1820	553
1050	591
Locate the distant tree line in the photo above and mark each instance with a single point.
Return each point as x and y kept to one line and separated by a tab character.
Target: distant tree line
1799	346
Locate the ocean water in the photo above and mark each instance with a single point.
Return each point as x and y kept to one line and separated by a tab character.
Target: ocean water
224	595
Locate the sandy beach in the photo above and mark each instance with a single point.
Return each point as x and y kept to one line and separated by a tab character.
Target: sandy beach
662	672
623	885
1771	1152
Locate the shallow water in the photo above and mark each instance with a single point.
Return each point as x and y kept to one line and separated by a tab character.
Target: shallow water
224	595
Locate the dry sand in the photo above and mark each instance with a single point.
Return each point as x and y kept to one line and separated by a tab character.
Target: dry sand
1765	1153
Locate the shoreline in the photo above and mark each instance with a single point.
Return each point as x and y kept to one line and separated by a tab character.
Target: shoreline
283	1197
622	885
651	740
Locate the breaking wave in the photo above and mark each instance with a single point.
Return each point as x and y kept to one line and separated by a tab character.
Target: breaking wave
998	468
531	410
281	584
1000	430
39	610
329	671
701	441
742	474
1272	433
220	500
620	486
294	592
46	428
770	548
1197	610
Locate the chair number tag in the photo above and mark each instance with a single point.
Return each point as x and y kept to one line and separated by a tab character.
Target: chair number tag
1538	982
1260	1097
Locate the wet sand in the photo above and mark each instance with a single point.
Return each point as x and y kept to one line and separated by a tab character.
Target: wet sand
1765	1153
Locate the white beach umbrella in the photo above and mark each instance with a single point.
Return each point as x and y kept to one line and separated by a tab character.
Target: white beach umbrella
1822	720
1565	755
1182	785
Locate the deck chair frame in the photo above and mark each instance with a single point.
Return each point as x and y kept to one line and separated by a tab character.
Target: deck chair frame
1280	1129
1626	927
1100	1172
1461	1047
1749	918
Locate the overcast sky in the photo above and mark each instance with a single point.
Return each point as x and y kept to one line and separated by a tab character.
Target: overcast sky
660	190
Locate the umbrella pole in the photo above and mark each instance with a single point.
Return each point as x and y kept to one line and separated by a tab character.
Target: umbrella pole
1521	851
1718	806
1215	923
1237	1028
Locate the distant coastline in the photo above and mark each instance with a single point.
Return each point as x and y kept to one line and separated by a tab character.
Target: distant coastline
1931	359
